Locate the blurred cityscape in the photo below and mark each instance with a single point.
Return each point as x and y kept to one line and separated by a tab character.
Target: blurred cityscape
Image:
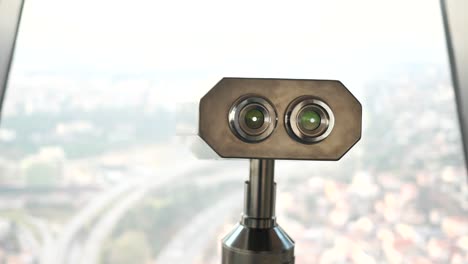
90	180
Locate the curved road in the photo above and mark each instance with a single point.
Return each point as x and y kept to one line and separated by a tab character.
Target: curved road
194	238
104	227
67	248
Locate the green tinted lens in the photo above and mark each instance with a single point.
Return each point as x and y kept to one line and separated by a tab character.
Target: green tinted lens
254	119
309	119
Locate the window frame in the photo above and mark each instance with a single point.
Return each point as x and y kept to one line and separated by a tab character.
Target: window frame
10	17
456	32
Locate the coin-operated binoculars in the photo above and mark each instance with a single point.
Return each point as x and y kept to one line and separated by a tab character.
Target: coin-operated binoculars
267	119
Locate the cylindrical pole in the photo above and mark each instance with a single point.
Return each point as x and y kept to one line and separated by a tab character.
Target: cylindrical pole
258	239
259	209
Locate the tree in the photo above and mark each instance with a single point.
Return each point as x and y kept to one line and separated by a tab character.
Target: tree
130	247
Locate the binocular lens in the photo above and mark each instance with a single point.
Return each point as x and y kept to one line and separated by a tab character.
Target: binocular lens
254	119
309	119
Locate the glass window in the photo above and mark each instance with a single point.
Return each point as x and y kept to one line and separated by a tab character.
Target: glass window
91	170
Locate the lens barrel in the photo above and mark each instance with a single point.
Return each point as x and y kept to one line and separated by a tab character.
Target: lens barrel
309	120
252	118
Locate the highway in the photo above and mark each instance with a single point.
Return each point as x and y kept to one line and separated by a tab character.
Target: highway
72	229
105	225
107	222
81	239
104	212
195	237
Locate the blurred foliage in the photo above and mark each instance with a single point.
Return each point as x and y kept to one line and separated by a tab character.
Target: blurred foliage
129	247
42	174
159	215
407	128
39	129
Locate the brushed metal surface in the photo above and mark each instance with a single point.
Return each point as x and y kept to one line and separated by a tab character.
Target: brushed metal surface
246	245
258	238
214	122
261	190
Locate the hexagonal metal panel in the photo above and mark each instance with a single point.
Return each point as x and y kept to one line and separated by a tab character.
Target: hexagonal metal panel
215	131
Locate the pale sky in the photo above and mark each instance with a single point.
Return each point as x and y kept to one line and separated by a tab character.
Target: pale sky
185	47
